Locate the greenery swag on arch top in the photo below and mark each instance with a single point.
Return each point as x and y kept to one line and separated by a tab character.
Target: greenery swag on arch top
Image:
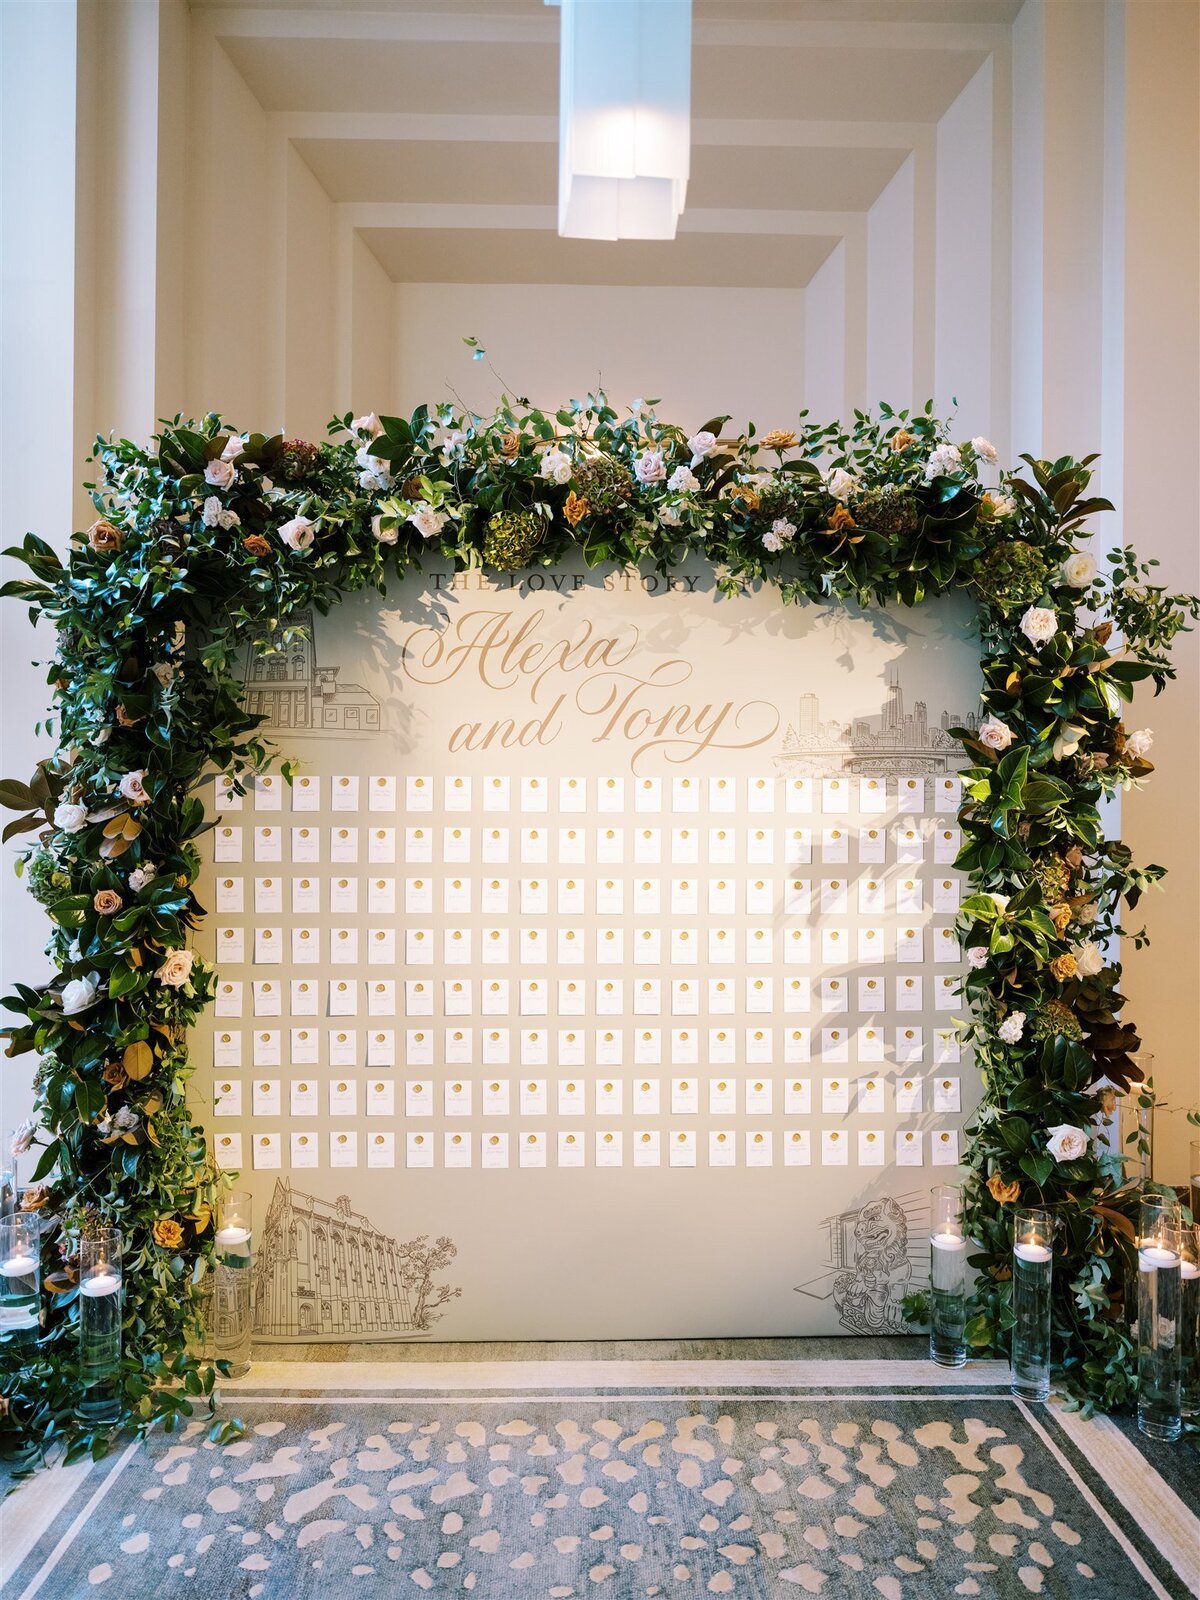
208	537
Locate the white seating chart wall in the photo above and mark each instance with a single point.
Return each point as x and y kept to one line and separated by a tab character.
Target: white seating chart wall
597	974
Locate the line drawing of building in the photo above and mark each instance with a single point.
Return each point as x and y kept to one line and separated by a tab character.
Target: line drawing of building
875	1255
324	1273
893	741
290	689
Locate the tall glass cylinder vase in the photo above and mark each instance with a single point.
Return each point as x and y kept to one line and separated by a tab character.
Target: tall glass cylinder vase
1189	1321
1158	1324
1135	1121
1032	1278
947	1279
1194	1173
231	1302
100	1305
20	1270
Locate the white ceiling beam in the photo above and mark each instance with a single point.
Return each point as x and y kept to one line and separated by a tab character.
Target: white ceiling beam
747	133
416	216
484	27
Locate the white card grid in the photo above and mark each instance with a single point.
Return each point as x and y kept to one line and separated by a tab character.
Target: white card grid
744	904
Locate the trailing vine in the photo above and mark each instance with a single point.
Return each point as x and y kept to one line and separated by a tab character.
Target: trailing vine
209	536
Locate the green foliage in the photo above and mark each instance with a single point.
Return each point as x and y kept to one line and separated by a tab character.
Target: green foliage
210	538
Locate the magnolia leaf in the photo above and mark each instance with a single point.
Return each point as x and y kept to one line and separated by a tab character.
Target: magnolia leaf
138	1060
1117	1223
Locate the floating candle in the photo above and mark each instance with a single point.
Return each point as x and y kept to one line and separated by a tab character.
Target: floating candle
19	1266
1152	1257
1032	1251
100	1283
232	1233
947	1241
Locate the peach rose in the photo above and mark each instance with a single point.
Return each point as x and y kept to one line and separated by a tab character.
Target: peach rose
779	439
576	508
1063	967
1003	1193
255	545
107	902
104	537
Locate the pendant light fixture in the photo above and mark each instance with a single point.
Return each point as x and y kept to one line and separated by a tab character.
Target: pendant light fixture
624	111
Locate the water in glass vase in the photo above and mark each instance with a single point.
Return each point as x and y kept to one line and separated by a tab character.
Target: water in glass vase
231	1336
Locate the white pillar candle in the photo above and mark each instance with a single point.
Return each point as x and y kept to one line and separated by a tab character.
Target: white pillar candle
18	1266
99	1284
1032	1251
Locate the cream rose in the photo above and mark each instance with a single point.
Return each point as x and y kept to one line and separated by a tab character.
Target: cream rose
984	449
783	529
702	444
233	448
977	956
683	481
1079	570
1013	1026
772	541
995	734
1039	625
944	460
840	484
649	467
220	473
385	535
1139	743
176	968
556	466
368	427
70	818
133	787
1089	958
299	533
1067	1143
428	522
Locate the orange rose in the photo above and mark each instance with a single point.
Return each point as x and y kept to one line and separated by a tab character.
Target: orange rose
255	545
1063	967
748	496
576	508
37	1197
779	439
510	444
841	519
107	902
168	1233
115	1075
104	537
1060	916
1003	1193
902	440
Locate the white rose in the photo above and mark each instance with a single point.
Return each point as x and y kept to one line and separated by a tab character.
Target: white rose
1067	1143
22	1137
100	737
229	519
1139	743
428	522
783	529
649	468
840	484
669	515
683	481
1079	570
1002	505
448	440
1038	625
368	427
233	447
1089	958
1013	1026
70	818
141	876
995	734
176	968
702	444
985	449
298	533
133	787
1087	913
944	460
556	466
772	541
220	473
385	535
977	956
78	995
211	512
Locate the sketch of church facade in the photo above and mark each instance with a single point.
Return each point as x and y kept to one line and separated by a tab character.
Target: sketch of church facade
324	1273
290	688
895	741
874	1256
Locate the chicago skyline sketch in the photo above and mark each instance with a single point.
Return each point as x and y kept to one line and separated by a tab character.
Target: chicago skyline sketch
892	741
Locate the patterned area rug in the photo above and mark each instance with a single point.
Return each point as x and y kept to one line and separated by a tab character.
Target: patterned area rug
626	1489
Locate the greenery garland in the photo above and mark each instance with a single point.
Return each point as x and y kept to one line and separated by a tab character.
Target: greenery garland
210	537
